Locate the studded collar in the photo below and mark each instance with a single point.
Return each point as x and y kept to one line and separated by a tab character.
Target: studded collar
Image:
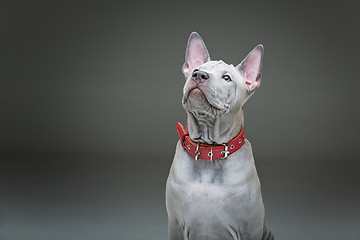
207	151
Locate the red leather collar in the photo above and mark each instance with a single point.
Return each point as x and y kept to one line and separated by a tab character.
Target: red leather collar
207	151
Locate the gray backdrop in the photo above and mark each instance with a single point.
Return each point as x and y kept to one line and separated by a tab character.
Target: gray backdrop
90	94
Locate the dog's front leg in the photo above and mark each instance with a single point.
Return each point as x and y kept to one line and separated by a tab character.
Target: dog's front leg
267	234
176	232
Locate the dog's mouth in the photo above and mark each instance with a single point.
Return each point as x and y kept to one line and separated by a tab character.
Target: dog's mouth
198	94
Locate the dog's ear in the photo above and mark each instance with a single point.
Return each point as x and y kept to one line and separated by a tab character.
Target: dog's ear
196	54
250	67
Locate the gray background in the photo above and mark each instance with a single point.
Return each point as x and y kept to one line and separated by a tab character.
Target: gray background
90	94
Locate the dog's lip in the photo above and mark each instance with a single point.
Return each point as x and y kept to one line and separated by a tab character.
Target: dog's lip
192	89
197	87
189	91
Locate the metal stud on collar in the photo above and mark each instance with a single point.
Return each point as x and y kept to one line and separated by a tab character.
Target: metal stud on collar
225	151
210	154
197	153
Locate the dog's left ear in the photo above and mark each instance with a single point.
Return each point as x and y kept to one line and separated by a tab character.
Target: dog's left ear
250	67
196	54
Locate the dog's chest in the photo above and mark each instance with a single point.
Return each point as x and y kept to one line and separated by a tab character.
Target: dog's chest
208	204
205	195
208	173
204	185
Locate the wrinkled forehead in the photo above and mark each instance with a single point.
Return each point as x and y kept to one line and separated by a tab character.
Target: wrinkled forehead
216	66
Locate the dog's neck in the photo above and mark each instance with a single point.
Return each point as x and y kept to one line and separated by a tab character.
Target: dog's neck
214	129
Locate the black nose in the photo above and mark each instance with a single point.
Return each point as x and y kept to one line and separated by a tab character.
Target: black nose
200	76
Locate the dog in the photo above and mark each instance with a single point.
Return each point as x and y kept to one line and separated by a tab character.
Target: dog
213	190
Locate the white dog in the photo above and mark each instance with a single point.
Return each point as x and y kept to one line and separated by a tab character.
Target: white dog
213	190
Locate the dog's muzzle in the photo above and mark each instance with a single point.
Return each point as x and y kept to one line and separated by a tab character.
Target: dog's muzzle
199	76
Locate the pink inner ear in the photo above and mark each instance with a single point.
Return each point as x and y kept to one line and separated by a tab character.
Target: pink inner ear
250	75
196	55
251	68
252	84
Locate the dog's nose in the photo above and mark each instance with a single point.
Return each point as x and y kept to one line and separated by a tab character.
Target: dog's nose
200	76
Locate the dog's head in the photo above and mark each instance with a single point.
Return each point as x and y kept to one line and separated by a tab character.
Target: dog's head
215	88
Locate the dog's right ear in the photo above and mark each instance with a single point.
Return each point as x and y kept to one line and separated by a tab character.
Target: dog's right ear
196	54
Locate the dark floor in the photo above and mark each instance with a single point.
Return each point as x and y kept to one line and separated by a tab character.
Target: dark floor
118	197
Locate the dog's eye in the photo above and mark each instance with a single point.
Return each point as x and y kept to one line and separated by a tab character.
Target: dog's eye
227	78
